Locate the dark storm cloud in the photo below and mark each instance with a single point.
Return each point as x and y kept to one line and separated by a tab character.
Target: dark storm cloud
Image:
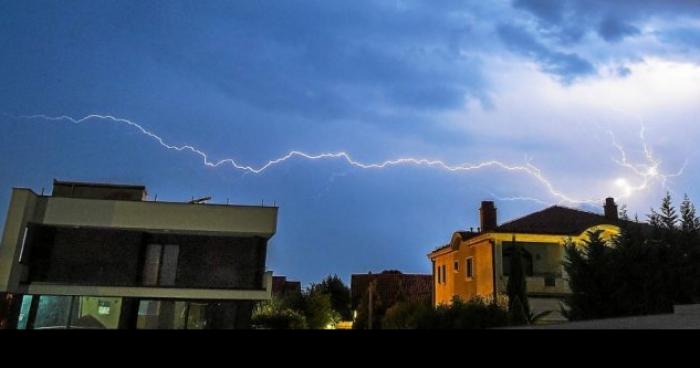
569	20
325	59
567	66
614	30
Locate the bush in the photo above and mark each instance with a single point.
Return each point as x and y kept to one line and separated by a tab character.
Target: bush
405	315
271	315
474	314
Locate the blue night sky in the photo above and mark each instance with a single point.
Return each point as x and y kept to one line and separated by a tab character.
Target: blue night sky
581	99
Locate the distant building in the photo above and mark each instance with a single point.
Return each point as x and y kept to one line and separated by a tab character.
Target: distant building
102	256
477	263
281	288
390	286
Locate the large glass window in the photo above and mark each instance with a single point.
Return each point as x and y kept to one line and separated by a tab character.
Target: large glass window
96	312
148	314
196	316
60	312
167	314
52	312
24	312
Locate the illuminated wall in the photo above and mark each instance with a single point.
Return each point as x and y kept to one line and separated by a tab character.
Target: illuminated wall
547	252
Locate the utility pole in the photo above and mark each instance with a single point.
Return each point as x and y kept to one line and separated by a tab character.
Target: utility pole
371	306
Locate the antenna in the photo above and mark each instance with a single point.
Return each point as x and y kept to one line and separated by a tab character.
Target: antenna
200	200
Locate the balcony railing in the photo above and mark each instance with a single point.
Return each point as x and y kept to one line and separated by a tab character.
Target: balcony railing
544	284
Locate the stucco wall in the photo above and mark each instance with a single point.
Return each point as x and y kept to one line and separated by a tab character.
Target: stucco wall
457	283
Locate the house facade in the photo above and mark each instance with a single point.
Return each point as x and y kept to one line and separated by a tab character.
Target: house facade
477	263
103	256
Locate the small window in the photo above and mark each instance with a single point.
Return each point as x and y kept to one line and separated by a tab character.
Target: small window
444	274
151	267
550	280
439	275
469	265
456	266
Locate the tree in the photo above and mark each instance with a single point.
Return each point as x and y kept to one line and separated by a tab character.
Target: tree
518	304
646	270
339	295
589	279
690	223
690	237
378	309
638	285
318	309
667	215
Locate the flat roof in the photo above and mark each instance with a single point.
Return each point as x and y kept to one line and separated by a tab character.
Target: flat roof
98	185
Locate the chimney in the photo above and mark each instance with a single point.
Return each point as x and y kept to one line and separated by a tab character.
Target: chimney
610	209
488	216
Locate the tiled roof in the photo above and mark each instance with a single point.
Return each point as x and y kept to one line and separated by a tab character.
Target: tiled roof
415	287
556	220
468	234
465	235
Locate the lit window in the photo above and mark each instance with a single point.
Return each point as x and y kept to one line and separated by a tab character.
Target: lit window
104	307
469	265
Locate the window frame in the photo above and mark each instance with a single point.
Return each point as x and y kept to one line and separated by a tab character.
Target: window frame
469	268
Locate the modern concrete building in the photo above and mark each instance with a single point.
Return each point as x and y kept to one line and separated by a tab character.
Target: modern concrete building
477	263
103	256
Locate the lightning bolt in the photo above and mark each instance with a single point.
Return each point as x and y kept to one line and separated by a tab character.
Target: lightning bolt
647	172
519	198
528	168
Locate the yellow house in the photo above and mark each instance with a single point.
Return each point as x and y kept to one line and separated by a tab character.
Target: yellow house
477	263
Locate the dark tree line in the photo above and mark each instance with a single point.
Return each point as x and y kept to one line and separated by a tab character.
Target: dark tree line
646	269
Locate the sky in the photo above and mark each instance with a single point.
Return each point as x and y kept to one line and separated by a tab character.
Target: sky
377	127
